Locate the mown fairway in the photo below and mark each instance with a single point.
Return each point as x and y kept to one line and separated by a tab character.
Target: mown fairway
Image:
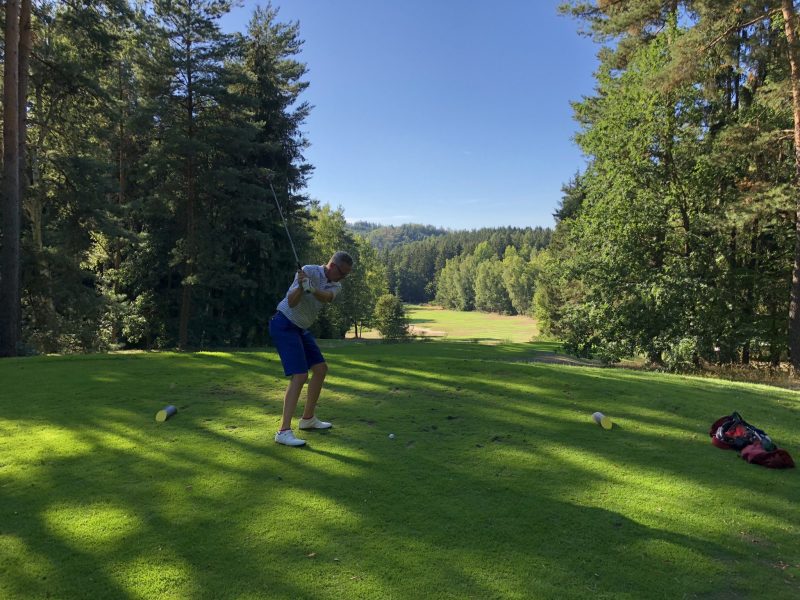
498	484
431	321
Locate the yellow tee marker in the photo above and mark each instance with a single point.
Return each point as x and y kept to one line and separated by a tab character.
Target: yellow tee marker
165	413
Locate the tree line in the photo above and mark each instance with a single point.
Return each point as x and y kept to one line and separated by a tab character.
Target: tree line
389	237
139	157
141	143
137	193
681	238
415	269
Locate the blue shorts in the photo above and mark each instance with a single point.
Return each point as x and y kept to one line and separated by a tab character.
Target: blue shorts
297	347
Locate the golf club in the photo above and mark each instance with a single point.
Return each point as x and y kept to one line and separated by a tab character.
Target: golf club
286	227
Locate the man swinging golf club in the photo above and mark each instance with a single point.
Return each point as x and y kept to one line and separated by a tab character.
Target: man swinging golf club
313	286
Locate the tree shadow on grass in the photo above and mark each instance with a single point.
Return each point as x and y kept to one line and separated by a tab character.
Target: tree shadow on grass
676	443
204	506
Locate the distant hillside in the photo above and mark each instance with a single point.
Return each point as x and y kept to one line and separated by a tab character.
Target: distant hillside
389	237
363	227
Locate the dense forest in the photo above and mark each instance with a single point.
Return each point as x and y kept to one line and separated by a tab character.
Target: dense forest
137	188
420	271
141	146
429	264
680	240
148	145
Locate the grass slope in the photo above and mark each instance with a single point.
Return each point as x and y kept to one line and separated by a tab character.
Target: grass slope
498	485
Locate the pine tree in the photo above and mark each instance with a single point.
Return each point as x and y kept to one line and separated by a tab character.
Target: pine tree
390	317
274	86
192	64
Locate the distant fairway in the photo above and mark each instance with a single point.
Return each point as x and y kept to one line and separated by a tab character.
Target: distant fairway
497	483
434	322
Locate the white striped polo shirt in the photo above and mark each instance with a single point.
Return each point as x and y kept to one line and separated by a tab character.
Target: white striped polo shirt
306	311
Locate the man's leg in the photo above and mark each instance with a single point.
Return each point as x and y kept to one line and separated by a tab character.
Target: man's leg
314	388
290	398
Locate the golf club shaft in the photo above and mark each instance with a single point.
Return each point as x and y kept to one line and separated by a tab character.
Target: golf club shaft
285	226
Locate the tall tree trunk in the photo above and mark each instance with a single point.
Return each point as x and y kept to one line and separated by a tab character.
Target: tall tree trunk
749	309
43	312
10	242
121	188
25	48
775	349
787	7
186	296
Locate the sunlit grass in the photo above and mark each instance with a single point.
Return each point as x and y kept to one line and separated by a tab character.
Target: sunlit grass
432	321
441	324
497	484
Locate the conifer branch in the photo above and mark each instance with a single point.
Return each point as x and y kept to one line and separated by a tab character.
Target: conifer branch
740	26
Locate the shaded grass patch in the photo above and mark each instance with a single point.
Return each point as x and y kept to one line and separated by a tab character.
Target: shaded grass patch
498	484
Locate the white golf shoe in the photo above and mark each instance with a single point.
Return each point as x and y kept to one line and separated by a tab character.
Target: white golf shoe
287	438
314	423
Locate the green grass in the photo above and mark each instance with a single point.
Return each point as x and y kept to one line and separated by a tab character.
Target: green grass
476	326
498	484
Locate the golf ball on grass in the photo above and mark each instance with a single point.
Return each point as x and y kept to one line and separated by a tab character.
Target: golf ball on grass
391	436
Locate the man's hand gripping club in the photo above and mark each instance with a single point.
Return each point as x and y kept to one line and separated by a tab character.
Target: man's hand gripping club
305	282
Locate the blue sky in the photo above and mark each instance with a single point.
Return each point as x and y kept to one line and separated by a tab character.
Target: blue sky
454	113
